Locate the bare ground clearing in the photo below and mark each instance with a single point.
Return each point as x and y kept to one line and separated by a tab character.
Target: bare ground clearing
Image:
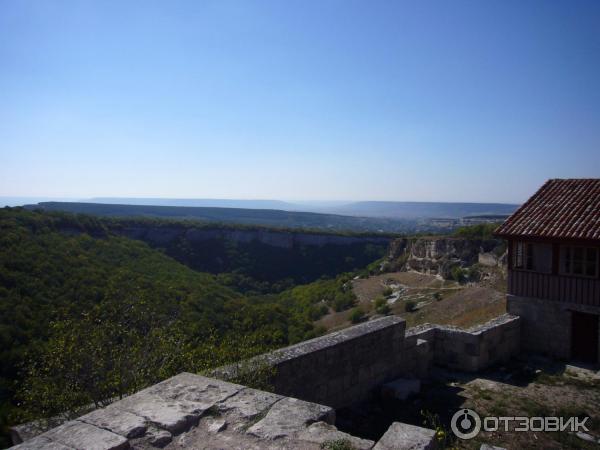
439	301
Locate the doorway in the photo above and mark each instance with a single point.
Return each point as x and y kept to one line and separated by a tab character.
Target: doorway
584	337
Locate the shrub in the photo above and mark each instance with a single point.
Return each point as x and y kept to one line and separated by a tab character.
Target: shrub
381	306
458	274
338	444
343	301
437	296
357	315
383	309
317	311
380	301
410	306
387	291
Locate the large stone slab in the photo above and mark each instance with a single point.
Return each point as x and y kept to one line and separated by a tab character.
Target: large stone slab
177	403
41	443
82	435
401	436
194	391
116	420
321	432
290	416
248	403
169	416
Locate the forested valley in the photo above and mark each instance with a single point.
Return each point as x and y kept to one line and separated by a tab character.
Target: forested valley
88	313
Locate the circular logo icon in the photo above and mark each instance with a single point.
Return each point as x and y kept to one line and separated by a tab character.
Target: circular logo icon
465	423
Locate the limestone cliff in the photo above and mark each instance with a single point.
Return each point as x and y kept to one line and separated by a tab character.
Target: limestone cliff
272	237
438	255
266	255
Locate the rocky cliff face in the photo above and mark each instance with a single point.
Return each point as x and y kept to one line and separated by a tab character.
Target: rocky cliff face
160	235
258	255
437	256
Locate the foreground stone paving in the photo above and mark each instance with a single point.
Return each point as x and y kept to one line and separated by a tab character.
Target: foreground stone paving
192	411
195	412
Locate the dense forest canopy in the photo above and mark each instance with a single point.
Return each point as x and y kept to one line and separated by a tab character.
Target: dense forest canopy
87	311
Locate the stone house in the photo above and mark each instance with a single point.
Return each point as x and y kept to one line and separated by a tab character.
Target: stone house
553	269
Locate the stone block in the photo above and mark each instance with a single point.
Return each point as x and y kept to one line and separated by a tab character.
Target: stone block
82	435
290	416
170	416
321	432
113	419
401	436
248	403
177	403
40	443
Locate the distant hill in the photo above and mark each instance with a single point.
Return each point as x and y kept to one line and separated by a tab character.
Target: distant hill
199	202
20	201
422	210
263	217
385	209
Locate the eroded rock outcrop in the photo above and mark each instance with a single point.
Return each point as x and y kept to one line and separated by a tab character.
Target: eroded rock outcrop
438	255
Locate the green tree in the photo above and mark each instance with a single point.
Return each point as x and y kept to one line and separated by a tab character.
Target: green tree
118	347
357	315
381	306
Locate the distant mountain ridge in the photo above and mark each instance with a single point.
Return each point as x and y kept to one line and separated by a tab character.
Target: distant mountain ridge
384	209
370	217
423	210
199	202
243	216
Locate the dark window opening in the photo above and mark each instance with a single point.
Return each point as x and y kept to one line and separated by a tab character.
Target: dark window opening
582	261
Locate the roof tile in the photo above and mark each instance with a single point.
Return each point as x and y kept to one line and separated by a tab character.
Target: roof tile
561	208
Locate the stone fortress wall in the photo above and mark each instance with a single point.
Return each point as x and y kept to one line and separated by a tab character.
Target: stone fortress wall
310	380
348	366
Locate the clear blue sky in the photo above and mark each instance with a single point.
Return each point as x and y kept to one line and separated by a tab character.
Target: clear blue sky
308	99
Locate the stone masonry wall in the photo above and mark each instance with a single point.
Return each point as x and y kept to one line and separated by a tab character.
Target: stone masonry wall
348	366
478	348
469	350
342	367
418	351
546	326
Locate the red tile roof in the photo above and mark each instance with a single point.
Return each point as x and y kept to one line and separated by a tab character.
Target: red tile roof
562	209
